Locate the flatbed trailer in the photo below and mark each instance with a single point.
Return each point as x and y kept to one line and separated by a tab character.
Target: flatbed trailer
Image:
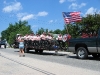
39	46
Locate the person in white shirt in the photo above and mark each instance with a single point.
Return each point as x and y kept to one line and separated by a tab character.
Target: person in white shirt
43	36
59	37
26	37
49	37
60	40
38	38
32	37
20	37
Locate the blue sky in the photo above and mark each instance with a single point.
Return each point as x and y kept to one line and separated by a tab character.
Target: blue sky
43	13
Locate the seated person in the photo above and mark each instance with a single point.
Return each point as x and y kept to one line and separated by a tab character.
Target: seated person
85	35
43	36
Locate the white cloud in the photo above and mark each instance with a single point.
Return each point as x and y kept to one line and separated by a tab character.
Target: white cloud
73	6
91	10
51	21
27	17
62	1
55	21
82	4
15	6
76	6
19	15
4	2
42	13
34	26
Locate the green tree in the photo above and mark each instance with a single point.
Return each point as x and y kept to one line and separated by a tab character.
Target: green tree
18	28
57	31
89	24
40	31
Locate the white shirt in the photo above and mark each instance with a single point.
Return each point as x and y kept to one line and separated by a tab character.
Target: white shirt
43	37
38	38
59	37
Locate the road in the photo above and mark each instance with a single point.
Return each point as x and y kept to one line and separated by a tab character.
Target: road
65	58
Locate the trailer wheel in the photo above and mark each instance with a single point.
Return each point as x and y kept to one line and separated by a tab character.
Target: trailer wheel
5	46
41	51
82	53
26	50
36	51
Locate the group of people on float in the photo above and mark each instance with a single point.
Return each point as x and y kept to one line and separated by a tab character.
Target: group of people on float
43	36
38	37
88	35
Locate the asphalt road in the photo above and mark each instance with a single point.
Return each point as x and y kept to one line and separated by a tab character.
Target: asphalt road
62	58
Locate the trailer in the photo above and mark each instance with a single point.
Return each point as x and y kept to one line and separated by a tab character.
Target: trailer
39	46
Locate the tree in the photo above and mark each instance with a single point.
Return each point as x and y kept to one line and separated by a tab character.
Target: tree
73	30
57	31
90	23
18	28
40	31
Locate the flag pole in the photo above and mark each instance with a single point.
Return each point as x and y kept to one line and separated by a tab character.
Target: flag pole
65	24
67	28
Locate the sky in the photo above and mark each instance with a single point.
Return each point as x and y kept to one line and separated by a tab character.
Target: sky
45	14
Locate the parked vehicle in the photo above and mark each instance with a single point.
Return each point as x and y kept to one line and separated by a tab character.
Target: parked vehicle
83	47
3	42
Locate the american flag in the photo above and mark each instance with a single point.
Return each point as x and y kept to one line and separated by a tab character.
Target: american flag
71	17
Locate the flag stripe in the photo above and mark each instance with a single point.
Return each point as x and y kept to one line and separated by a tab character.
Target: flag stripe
71	17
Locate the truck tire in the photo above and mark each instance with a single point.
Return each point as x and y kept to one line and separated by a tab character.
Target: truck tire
36	51
96	55
41	51
5	46
82	53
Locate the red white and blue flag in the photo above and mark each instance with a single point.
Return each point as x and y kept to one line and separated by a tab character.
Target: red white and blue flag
71	17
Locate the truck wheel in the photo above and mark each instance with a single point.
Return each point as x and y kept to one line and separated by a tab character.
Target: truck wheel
96	55
82	53
36	51
5	46
26	50
41	51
